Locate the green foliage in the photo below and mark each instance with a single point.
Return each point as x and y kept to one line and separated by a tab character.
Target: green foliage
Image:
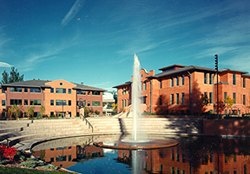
30	112
14	112
229	102
13	76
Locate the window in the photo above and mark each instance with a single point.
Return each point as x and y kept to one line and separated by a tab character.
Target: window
211	97
182	98
183	80
160	84
69	91
37	90
51	102
234	79
244	100
15	102
144	86
244	82
25	89
69	102
96	103
234	97
144	99
210	78
15	89
3	102
35	102
96	93
26	102
205	78
61	102
51	90
171	82
81	92
177	99
177	81
61	90
172	99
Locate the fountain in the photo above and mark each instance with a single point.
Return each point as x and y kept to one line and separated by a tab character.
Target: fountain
139	139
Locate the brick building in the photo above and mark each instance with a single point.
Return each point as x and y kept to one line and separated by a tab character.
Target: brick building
179	89
58	97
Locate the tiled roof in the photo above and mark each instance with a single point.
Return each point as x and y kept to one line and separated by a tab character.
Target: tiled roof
124	84
42	83
87	88
28	83
181	70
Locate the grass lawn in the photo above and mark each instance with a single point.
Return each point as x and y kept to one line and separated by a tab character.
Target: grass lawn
15	170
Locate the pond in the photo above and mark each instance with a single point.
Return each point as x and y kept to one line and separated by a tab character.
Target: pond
192	155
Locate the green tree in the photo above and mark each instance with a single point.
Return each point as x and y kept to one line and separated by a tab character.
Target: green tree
229	102
30	112
14	112
42	111
13	76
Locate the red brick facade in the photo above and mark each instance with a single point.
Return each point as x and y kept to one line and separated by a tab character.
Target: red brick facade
59	97
190	90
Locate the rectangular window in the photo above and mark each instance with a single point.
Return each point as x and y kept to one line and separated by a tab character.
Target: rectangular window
69	91
69	102
35	102
182	98
144	99
172	99
51	90
26	102
3	103
36	90
211	97
234	79
61	103
205	78
96	93
244	82
234	97
244	100
61	90
177	99
210	78
183	80
171	82
15	102
51	102
177	81
15	89
81	92
160	84
25	89
96	103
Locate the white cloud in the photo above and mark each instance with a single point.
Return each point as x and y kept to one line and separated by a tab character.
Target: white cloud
5	65
72	12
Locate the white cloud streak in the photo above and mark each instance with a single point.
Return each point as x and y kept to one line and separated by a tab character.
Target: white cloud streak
72	12
5	65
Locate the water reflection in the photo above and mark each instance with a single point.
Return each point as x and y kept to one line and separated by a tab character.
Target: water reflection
206	155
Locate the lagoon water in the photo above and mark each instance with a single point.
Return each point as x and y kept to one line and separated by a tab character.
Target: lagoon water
193	155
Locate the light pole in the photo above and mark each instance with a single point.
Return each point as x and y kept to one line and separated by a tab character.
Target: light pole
217	82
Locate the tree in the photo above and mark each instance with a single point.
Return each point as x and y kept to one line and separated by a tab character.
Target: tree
42	111
229	103
14	111
30	112
13	76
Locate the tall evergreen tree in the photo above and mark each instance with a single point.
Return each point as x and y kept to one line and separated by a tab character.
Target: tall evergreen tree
13	76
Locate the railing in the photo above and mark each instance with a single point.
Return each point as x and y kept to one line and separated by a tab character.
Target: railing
88	123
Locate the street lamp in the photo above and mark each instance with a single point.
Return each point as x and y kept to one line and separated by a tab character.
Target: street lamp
217	81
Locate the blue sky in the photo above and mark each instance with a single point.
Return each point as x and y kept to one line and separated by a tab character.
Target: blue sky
93	41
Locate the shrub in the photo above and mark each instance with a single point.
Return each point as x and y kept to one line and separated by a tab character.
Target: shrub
7	152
